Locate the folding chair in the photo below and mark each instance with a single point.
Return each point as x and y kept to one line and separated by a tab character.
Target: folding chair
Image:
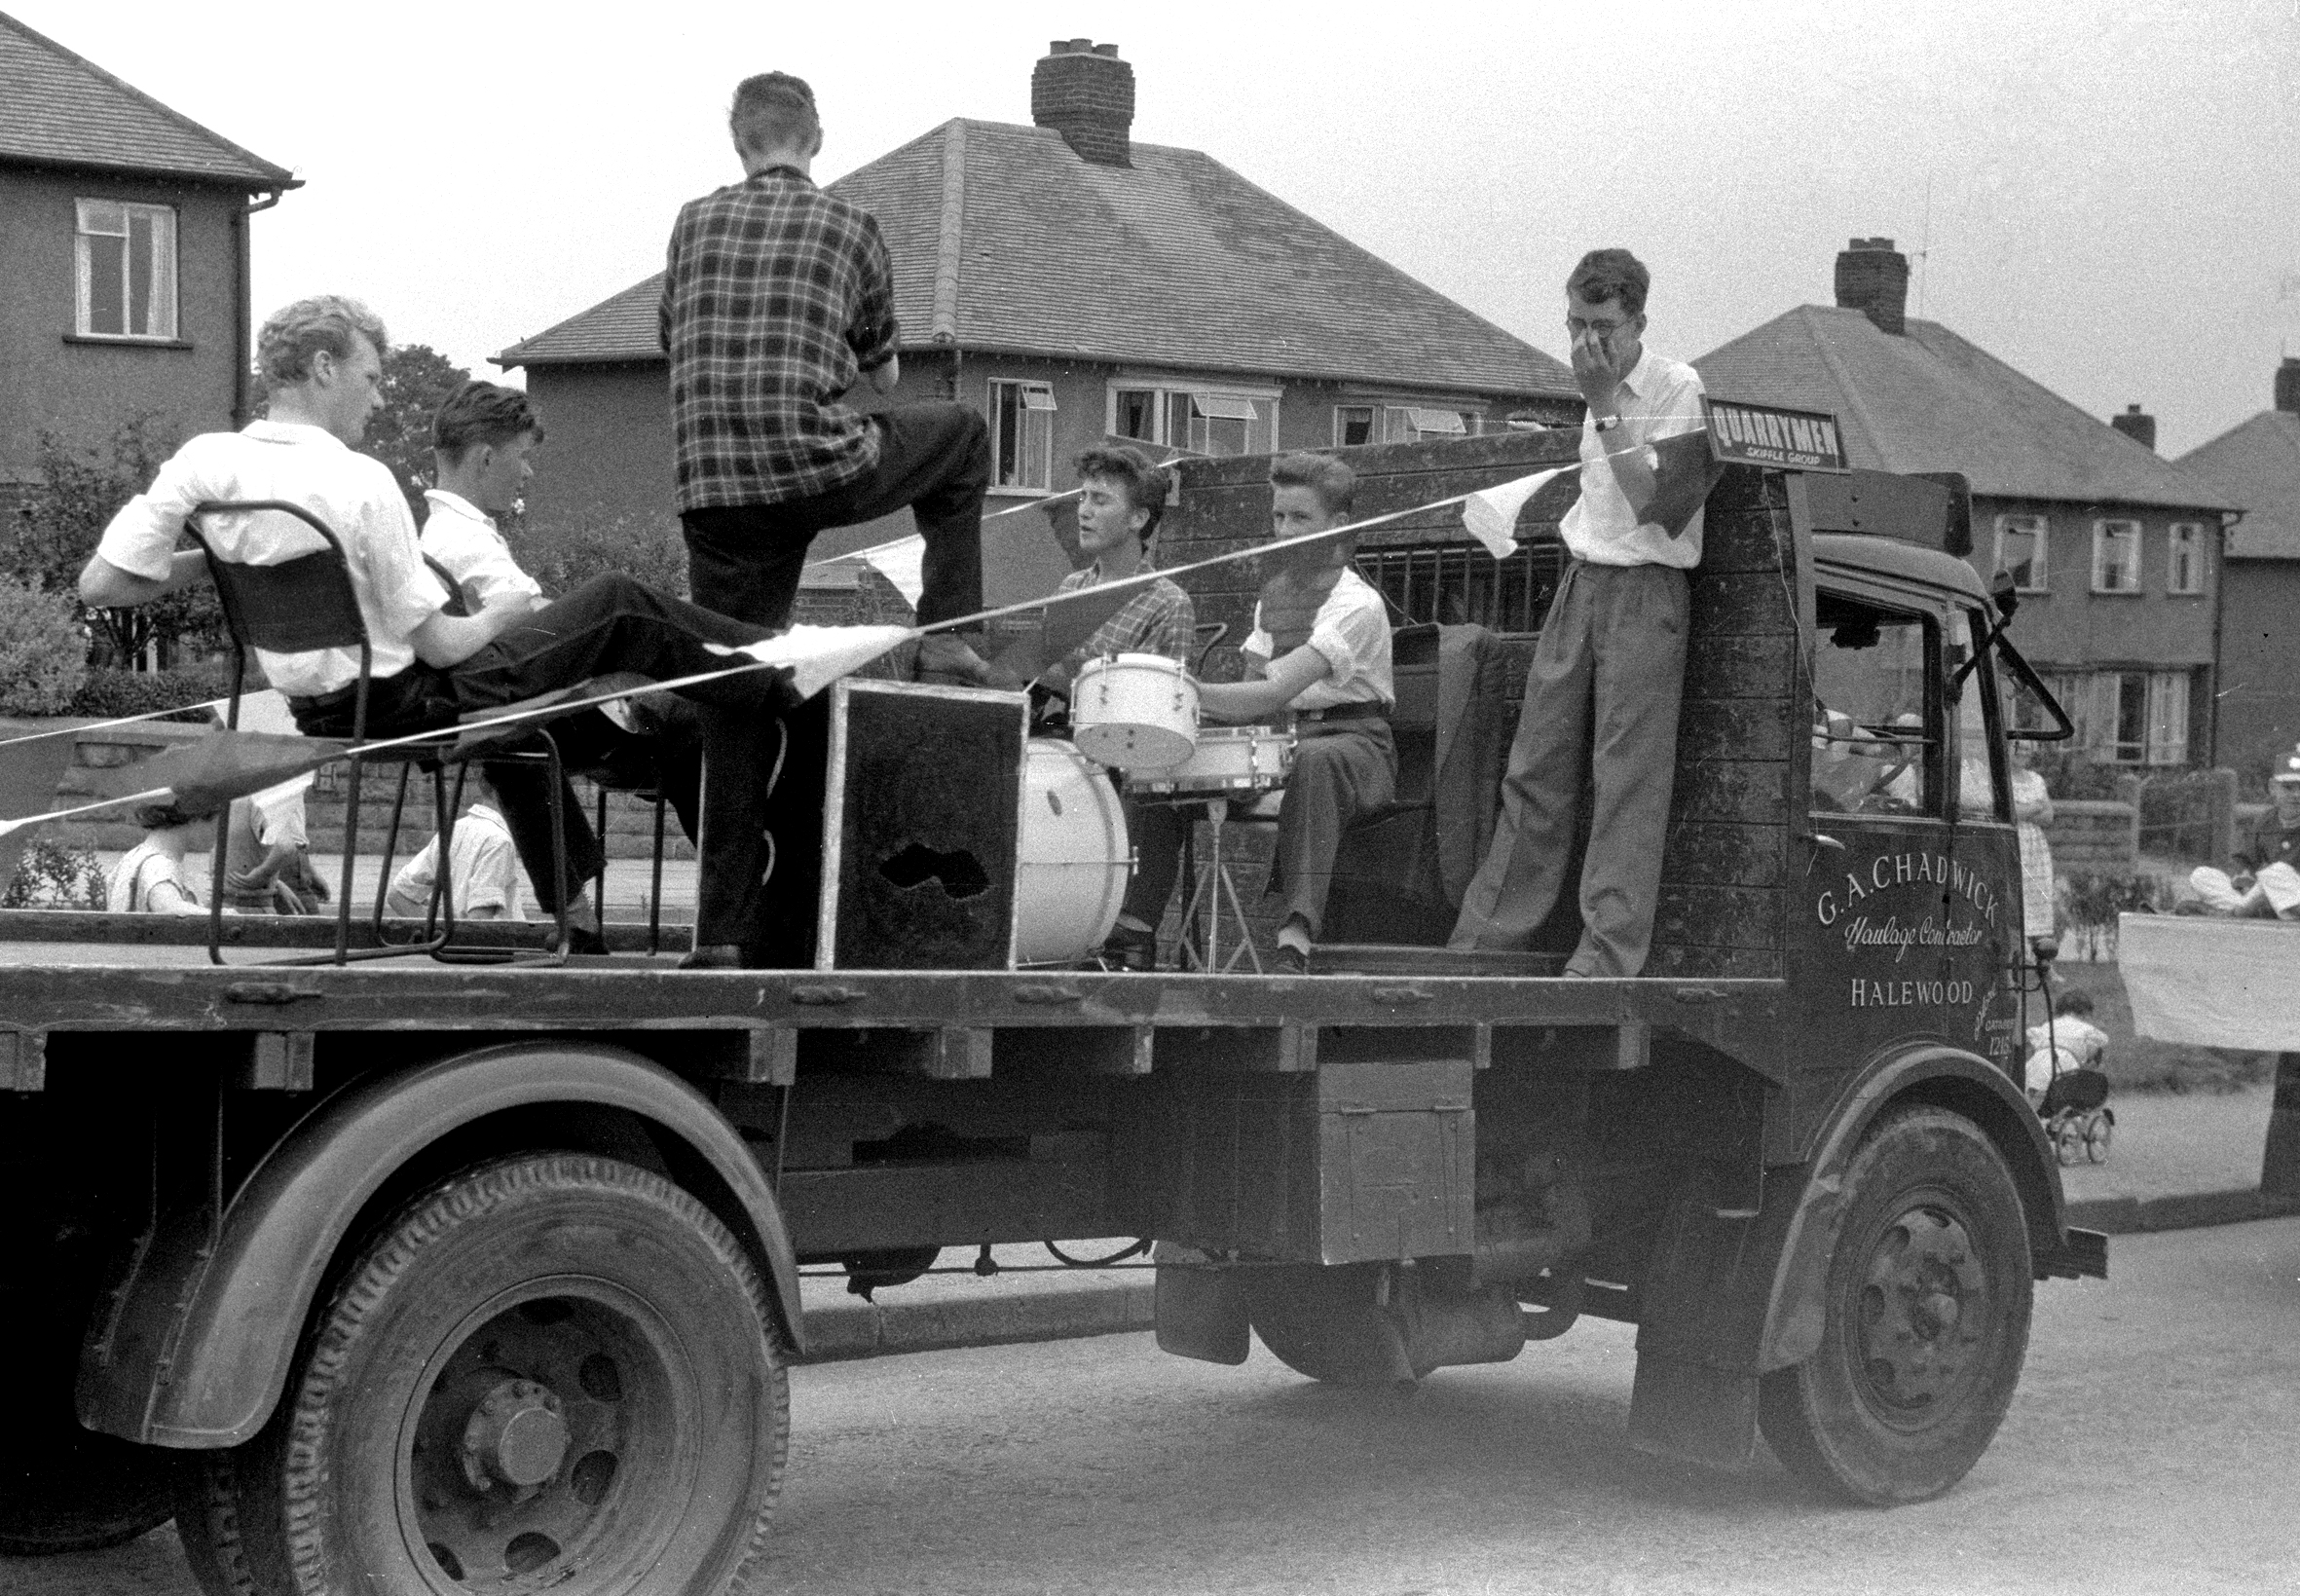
307	604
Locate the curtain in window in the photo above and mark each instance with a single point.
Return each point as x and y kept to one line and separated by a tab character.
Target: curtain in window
2167	718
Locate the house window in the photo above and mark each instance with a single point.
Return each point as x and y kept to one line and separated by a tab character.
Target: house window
2021	550
1021	435
2133	717
126	256
1416	424
2184	570
1353	423
1201	420
1456	583
2116	556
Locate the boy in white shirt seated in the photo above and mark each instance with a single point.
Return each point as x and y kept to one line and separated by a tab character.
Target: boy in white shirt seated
483	870
1318	657
483	441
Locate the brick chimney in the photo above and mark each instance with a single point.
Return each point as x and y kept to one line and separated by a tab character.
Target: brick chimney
1085	93
2137	425
2287	385
1873	277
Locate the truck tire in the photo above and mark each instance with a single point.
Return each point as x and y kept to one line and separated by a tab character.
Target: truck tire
554	1371
1927	1300
63	1488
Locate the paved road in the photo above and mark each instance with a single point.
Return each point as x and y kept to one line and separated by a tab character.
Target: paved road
2154	1447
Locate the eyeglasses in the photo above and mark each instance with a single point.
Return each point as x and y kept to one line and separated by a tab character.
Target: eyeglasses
1603	328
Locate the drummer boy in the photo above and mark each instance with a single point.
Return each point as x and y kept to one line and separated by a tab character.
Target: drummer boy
1320	653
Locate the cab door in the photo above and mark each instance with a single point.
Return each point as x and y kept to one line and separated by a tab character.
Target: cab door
1886	916
1985	973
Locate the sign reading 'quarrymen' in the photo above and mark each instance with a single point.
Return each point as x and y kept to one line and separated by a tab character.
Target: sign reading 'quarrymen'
1757	435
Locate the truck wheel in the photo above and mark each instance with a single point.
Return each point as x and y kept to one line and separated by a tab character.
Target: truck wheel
63	1488
1927	1299
555	1371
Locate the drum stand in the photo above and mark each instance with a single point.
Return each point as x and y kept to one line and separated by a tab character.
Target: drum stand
1214	889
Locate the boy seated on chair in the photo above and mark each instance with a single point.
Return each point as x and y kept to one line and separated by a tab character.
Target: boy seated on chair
1318	657
323	358
483	442
1121	496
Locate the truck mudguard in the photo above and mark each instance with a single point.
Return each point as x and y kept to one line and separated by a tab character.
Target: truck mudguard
1729	1299
194	1352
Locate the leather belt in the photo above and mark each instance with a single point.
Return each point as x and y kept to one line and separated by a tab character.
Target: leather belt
1365	710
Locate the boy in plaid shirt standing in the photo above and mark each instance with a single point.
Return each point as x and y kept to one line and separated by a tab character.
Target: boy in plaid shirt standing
778	298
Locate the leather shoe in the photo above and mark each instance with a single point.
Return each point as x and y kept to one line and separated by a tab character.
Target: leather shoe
714	955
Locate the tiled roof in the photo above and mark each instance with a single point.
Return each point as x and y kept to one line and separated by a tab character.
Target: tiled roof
1930	402
1004	239
2258	466
62	110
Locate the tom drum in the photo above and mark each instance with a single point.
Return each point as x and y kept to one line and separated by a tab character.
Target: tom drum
1227	761
1074	857
1135	712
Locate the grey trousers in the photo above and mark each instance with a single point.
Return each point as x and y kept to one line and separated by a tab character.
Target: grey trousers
1602	696
1344	771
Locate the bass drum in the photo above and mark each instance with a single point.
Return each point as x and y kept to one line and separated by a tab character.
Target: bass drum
1074	857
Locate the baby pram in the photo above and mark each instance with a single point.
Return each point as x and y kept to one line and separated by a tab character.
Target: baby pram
2078	1121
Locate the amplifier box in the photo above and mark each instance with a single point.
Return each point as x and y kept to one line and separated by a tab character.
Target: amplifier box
921	827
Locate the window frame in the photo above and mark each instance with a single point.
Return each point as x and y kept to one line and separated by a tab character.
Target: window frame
2184	537
1373	421
2102	534
1022	387
1899	608
2040	573
1172	396
165	287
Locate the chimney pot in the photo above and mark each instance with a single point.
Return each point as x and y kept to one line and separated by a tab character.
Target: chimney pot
1086	93
2137	425
2287	385
1873	277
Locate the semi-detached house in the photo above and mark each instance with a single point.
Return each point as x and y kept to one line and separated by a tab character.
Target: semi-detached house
2116	552
1074	283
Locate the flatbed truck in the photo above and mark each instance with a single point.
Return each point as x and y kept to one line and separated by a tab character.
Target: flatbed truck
412	1276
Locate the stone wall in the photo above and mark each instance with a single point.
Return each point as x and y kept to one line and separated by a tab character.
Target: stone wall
2097	836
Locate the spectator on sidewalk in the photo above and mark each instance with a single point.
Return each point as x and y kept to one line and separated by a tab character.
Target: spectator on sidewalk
150	877
483	871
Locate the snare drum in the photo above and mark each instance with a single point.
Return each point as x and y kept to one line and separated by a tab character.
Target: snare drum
1135	712
1072	876
1227	759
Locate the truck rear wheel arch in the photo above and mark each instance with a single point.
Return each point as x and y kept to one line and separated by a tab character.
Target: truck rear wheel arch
196	1355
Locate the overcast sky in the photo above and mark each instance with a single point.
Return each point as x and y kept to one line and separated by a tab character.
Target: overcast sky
2107	194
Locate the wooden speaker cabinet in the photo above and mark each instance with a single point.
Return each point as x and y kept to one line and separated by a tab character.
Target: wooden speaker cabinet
921	827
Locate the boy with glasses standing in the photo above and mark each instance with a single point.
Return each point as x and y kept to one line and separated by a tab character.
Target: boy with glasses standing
1602	696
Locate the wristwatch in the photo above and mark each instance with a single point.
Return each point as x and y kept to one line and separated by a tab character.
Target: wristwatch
1606	423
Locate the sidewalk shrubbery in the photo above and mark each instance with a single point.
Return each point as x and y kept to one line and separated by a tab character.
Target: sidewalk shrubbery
2089	903
43	650
109	695
56	876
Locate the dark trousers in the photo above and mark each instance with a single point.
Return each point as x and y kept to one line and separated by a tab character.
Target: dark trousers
1601	699
609	624
1344	771
745	561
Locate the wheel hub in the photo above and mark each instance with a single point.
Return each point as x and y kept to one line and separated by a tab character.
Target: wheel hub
516	1435
1923	1310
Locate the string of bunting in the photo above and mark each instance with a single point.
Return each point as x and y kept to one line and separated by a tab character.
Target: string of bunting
228	764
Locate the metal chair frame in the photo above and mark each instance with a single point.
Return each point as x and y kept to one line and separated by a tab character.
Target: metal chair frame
328	617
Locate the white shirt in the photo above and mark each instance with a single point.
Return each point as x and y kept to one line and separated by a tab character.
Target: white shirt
1659	399
352	495
1352	630
465	539
483	874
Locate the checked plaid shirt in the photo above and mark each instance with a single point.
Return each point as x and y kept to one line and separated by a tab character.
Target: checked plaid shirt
776	297
1157	618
